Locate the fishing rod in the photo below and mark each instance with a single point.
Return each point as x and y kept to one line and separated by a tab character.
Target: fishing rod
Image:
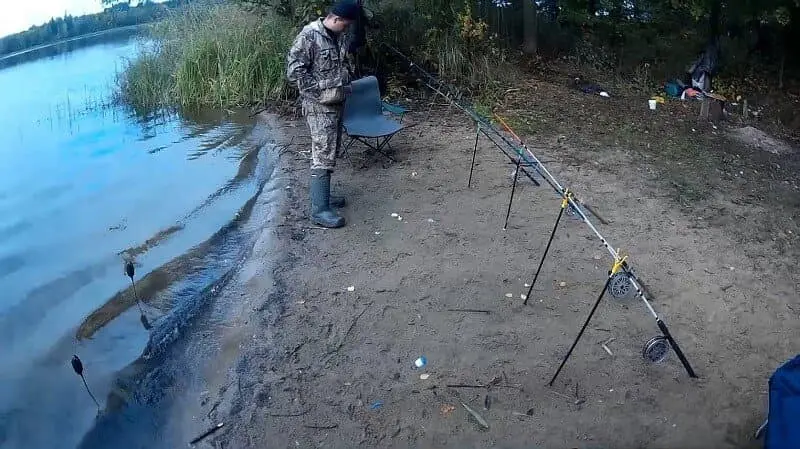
484	124
620	276
570	199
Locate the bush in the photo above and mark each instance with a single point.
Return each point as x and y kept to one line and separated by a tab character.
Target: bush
220	56
453	43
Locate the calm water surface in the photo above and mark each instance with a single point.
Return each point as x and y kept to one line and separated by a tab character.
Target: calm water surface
83	185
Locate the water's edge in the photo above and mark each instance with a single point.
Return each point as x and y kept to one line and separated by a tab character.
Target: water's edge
154	400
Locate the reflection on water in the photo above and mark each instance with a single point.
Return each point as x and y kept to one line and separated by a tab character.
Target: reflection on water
83	186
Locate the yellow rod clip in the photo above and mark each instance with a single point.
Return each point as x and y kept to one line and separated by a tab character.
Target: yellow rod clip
567	196
618	261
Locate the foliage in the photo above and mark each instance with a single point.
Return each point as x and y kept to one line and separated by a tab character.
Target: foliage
231	55
216	56
59	28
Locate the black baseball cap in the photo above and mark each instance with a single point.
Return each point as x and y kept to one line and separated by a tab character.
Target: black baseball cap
346	9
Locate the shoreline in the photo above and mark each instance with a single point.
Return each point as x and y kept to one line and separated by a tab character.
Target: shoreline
327	366
72	39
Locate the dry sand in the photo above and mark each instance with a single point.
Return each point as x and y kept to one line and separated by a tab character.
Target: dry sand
332	366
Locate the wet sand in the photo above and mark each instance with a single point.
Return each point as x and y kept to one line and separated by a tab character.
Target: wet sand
332	320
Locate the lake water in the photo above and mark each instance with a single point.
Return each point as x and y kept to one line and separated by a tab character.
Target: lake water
84	185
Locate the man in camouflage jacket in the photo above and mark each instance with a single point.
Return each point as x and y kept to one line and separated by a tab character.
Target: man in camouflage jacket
319	65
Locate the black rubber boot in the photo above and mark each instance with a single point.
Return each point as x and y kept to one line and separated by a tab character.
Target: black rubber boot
337	201
320	192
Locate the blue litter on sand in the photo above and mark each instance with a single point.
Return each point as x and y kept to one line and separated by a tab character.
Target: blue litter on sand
376	405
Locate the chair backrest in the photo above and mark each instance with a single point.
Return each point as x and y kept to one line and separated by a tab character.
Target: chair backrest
364	99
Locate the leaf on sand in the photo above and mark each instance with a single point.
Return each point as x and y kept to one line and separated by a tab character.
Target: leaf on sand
477	416
447	410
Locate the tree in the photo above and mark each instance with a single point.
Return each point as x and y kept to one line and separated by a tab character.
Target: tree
112	3
530	26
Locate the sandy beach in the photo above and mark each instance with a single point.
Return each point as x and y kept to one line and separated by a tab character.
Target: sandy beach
332	320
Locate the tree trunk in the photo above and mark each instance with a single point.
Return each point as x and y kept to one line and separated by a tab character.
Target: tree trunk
530	24
714	20
781	70
592	8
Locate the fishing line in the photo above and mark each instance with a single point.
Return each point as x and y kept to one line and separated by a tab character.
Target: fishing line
534	163
622	272
77	366
483	126
130	271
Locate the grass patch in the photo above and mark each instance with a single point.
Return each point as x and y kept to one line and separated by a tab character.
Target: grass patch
222	55
219	56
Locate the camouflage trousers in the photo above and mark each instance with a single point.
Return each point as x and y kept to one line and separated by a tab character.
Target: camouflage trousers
325	125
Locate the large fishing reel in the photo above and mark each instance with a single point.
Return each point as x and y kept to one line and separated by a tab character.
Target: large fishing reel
656	349
620	286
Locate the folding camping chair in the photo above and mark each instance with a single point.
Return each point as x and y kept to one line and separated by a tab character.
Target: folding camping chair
780	428
363	119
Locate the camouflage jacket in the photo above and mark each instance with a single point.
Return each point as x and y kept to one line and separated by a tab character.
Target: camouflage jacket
316	62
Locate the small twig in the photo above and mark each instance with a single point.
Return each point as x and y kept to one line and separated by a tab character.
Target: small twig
469	310
476	415
297	348
288	415
726	288
350	329
607	350
206	434
513	387
561	395
332	426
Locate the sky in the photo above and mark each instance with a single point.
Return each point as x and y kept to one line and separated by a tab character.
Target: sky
20	15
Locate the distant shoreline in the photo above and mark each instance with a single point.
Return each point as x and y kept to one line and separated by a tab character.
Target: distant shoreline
72	39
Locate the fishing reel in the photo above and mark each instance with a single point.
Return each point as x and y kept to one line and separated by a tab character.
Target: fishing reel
656	349
620	286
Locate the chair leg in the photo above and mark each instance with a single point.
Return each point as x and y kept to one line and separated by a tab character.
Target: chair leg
380	146
346	151
761	429
377	147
